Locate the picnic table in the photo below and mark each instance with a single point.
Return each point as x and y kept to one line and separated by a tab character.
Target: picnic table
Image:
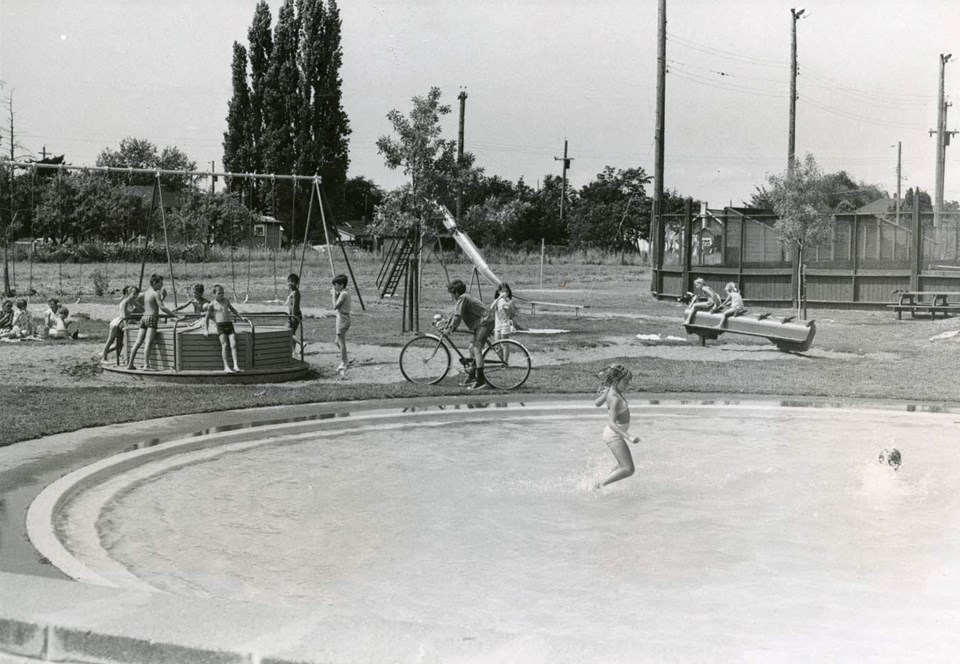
932	302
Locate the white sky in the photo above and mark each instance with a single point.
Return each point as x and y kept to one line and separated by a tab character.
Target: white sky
86	74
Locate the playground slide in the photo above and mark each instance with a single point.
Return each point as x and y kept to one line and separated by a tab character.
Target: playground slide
467	245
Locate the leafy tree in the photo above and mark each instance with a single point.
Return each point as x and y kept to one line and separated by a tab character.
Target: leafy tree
612	213
141	153
540	220
800	201
429	160
495	221
218	218
360	198
926	203
280	95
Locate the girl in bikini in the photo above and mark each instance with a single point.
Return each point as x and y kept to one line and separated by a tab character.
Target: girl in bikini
614	381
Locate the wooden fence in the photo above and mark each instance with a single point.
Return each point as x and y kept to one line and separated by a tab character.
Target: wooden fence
864	260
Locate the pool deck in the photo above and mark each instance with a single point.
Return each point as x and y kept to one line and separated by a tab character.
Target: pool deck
46	617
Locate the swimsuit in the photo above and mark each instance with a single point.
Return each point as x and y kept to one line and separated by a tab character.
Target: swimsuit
225	328
148	322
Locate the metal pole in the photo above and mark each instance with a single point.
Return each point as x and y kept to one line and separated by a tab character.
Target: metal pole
463	106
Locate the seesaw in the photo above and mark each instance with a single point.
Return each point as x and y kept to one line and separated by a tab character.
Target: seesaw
785	332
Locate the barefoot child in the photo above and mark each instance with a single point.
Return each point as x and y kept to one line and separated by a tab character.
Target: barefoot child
150	321
614	381
220	309
705	299
125	309
503	311
293	308
733	305
341	304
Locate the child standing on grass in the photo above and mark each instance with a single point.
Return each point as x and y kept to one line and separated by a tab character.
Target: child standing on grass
614	382
343	307
503	310
125	308
220	309
293	307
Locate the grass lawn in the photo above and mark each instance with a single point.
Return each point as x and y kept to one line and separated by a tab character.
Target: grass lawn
57	386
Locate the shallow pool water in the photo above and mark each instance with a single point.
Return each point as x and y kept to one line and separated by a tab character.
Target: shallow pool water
747	531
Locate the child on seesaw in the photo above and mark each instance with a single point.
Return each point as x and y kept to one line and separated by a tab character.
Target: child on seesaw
614	382
733	305
220	309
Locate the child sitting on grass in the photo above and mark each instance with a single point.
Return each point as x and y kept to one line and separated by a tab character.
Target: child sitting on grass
22	325
61	326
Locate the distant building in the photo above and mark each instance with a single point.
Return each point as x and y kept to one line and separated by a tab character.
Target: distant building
267	233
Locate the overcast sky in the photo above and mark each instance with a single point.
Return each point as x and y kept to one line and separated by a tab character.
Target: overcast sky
86	74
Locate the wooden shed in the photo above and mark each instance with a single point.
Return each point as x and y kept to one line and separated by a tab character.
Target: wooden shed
267	233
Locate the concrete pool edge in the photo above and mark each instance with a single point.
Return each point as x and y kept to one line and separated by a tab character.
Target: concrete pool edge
62	620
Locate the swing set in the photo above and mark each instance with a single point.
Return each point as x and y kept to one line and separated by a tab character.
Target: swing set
180	350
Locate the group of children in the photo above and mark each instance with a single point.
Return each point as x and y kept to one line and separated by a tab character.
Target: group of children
17	323
706	299
222	313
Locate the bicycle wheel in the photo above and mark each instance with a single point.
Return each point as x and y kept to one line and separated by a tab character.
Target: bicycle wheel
425	360
506	364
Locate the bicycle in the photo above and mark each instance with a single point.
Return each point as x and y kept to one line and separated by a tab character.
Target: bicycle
425	360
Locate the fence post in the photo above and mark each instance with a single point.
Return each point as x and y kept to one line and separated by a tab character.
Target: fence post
916	255
687	228
854	257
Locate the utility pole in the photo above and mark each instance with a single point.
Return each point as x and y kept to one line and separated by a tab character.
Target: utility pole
656	228
943	140
899	180
463	109
213	179
566	164
791	139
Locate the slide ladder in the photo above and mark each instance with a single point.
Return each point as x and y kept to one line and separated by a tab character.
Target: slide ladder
395	265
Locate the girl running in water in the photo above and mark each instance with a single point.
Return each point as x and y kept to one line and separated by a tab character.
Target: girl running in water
614	381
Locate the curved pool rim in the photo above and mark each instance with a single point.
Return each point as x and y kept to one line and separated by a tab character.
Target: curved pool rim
329	419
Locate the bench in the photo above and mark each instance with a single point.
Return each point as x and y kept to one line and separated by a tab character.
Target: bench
932	302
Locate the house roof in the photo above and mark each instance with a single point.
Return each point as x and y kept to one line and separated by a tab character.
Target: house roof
266	219
880	206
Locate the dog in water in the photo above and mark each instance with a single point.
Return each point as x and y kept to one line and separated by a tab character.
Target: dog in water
891	457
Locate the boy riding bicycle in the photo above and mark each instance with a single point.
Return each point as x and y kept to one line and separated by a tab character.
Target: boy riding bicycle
479	320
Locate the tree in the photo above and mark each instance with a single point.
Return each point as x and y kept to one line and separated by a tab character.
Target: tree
141	153
926	203
237	145
260	53
322	145
430	161
800	201
613	210
360	198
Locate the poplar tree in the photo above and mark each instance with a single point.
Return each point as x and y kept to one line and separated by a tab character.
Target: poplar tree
261	51
322	143
237	148
280	95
